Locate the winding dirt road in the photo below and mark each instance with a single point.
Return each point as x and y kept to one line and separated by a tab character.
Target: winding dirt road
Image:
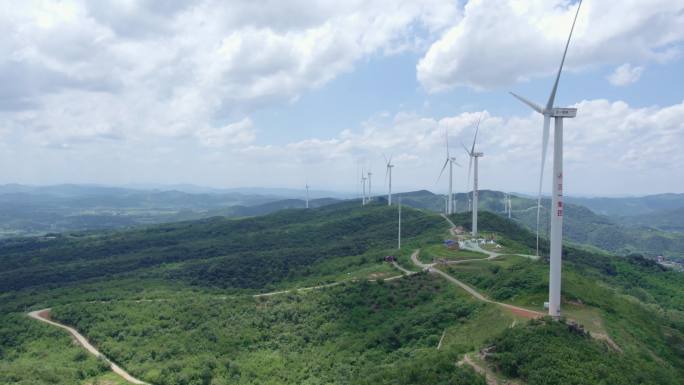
527	313
44	316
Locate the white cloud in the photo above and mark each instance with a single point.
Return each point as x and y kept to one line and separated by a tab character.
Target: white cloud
238	133
174	69
499	42
607	144
625	74
610	148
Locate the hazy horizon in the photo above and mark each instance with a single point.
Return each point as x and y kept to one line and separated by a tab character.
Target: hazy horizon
344	194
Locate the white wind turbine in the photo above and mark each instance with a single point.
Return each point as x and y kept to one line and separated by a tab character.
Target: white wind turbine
473	155
388	173
450	160
363	188
307	195
556	232
507	204
369	187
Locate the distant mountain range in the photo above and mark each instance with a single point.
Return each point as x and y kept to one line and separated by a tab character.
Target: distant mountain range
659	231
631	206
651	225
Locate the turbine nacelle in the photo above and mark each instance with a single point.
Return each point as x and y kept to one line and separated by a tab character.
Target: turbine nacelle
553	112
558	112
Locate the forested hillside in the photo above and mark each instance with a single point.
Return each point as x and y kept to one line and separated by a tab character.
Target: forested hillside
37	210
651	235
631	299
250	253
174	305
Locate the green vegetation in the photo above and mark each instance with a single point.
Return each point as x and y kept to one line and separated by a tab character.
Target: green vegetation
343	334
652	228
633	300
548	352
254	253
430	253
35	353
173	304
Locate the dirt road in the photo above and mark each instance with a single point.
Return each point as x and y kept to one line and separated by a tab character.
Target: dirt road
44	316
515	309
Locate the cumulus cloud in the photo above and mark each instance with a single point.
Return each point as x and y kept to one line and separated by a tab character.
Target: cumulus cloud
176	68
238	133
499	42
608	146
625	74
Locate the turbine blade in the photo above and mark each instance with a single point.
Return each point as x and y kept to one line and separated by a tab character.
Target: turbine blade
531	104
386	161
465	148
442	172
472	150
446	137
552	97
545	144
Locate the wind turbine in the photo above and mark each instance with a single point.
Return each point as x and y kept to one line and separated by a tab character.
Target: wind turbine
450	160
507	204
389	173
399	229
474	156
363	188
307	195
556	232
369	187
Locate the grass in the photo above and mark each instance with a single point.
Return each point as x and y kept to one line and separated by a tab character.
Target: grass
472	335
430	253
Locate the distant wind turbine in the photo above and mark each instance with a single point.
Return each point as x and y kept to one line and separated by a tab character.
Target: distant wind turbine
363	188
556	232
307	195
473	155
388	173
399	230
369	187
509	207
450	161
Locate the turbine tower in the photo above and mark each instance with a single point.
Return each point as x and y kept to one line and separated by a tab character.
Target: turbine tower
307	195
388	173
474	156
556	233
369	187
399	230
507	204
363	188
450	160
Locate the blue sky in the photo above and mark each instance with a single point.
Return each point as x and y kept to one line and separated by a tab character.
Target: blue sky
389	84
280	93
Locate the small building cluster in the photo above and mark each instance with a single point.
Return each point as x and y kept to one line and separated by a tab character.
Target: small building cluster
451	244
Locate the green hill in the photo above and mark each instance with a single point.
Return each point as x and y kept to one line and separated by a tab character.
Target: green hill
650	235
251	253
174	304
